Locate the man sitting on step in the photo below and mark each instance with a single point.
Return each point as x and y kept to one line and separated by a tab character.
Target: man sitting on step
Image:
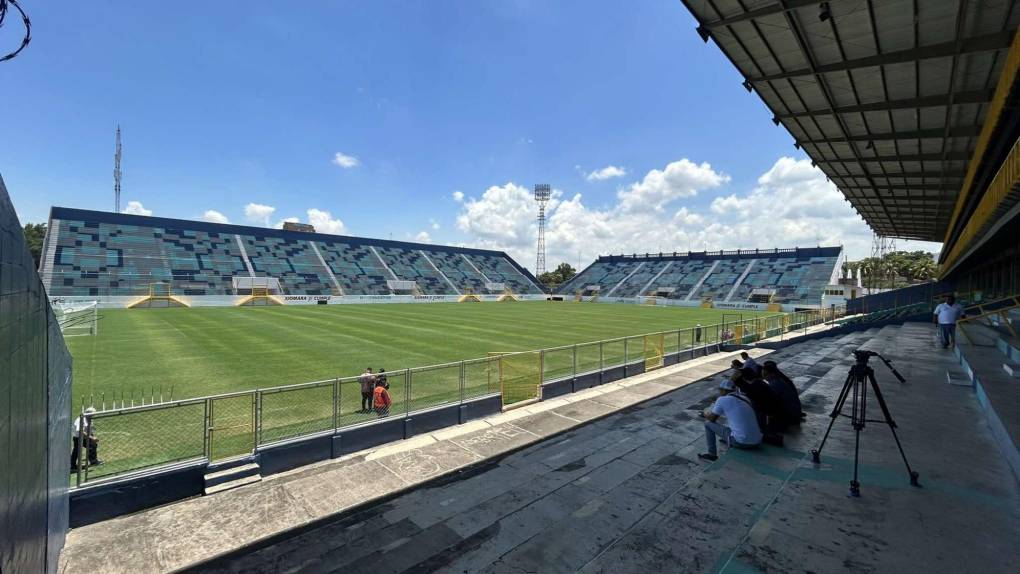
741	429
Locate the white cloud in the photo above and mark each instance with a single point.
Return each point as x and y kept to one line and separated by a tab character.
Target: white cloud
458	196
433	224
423	237
791	205
345	161
324	223
136	208
258	213
679	179
213	216
608	172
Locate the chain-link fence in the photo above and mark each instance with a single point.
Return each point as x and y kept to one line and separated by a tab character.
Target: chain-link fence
135	438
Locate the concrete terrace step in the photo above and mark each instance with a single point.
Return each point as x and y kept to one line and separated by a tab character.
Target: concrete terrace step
232	484
627	494
187	532
225	475
1012	369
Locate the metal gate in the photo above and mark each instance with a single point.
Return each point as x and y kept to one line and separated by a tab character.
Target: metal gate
231	426
654	351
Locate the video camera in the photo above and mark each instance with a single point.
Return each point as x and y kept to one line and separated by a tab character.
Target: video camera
862	356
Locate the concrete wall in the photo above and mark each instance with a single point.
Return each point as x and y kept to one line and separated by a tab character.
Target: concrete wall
35	407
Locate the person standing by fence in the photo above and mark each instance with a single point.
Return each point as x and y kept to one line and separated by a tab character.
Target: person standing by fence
946	316
382	399
84	436
367	381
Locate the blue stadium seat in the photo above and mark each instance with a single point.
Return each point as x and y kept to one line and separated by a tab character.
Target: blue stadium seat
91	253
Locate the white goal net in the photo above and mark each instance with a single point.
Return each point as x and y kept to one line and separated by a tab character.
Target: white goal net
77	318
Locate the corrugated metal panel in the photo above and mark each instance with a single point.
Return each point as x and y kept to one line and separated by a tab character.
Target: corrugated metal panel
35	443
874	90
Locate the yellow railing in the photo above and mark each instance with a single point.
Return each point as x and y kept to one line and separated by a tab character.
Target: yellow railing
1010	69
1007	178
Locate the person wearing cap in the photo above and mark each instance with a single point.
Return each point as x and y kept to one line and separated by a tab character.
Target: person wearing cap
85	437
741	428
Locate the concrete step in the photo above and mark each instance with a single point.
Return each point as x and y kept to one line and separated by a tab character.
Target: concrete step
956	375
224	486
1012	369
232	473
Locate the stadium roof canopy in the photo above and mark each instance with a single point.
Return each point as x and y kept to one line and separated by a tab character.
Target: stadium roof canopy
888	98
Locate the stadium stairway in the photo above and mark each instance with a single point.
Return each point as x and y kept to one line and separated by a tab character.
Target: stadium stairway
626	493
989	362
230	475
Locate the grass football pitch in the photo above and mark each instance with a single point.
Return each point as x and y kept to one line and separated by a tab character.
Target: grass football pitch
209	351
212	350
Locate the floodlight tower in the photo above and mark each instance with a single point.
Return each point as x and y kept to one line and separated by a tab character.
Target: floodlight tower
116	173
542	193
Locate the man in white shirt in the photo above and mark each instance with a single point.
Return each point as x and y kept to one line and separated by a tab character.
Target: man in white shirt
84	438
741	429
946	316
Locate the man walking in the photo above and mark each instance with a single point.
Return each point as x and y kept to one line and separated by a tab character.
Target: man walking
946	316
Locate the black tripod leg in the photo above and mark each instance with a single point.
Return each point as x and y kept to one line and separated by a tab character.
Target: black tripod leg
836	409
860	415
914	476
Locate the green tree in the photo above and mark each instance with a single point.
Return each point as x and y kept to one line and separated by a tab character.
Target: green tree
551	279
34	235
896	269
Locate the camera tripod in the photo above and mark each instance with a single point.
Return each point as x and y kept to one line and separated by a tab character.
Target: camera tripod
856	386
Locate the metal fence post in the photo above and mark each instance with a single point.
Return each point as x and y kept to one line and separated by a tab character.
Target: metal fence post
336	403
541	367
257	416
463	370
602	361
77	463
575	362
208	428
626	357
407	392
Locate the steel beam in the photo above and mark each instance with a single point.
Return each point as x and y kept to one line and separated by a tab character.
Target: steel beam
956	155
936	133
984	43
972	97
760	12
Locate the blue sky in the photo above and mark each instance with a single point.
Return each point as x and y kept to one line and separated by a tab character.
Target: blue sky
229	104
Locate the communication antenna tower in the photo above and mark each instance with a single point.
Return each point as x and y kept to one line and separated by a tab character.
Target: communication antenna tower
116	173
882	275
542	193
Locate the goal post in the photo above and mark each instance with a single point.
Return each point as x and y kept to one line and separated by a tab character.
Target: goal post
519	375
80	318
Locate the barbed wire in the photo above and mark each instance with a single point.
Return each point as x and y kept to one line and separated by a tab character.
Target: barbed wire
4	5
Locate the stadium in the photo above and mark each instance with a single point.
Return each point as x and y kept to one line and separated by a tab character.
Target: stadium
259	398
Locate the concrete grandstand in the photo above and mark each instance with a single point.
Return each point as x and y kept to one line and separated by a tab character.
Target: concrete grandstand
794	278
912	109
116	258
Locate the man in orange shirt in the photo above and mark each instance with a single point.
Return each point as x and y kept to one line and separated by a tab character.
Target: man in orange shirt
382	400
